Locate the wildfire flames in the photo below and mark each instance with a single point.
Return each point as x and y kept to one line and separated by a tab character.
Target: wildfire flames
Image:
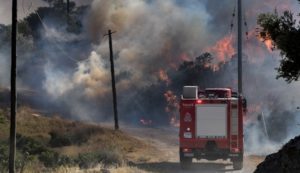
172	108
163	76
185	57
146	122
269	45
223	49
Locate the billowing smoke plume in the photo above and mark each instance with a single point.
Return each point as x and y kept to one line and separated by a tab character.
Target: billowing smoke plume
152	37
159	46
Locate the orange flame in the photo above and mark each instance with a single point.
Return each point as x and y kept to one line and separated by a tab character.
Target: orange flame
267	41
223	49
172	108
184	57
163	76
146	122
269	45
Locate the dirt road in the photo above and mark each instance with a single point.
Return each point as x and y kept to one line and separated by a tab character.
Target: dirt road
166	139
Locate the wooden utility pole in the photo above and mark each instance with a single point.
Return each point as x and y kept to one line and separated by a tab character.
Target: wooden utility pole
240	64
68	7
68	12
13	93
113	82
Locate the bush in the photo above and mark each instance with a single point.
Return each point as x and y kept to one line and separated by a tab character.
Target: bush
49	158
59	140
20	159
4	121
111	157
4	149
107	158
2	118
53	159
76	137
29	146
87	160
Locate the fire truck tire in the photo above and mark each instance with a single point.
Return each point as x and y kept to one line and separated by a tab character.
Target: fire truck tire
185	162
238	165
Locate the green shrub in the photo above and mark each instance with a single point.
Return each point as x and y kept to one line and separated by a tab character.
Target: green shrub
29	146
20	159
49	158
65	161
4	149
76	137
52	159
113	157
3	119
59	140
87	160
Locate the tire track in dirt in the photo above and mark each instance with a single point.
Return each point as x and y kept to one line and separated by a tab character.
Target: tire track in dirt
166	140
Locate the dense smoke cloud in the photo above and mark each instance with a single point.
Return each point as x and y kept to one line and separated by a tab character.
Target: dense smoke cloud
147	34
5	68
162	33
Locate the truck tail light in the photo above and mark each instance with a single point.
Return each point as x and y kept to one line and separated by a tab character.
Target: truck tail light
235	150
187	150
199	101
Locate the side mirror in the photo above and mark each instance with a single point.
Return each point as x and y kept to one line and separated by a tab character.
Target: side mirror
244	104
259	117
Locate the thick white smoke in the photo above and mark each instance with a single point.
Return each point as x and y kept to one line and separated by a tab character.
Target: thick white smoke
150	36
93	76
5	71
57	82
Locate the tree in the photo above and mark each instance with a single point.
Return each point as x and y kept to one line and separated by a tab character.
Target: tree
285	36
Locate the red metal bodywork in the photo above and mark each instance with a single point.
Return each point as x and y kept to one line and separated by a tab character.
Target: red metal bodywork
233	144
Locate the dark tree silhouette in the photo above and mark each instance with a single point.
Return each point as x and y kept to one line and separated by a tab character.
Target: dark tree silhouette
285	36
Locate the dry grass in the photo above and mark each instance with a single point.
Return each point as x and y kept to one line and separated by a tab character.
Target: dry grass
98	169
4	124
100	138
31	124
127	169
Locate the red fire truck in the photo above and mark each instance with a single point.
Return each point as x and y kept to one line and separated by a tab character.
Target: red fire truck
211	125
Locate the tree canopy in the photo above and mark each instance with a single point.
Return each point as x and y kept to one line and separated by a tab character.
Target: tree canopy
284	32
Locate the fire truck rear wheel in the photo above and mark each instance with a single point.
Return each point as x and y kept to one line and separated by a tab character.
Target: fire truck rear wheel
238	165
185	162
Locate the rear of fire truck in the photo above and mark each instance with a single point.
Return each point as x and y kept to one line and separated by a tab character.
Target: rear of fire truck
211	125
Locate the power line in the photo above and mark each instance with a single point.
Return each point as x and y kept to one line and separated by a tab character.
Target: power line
28	8
232	19
246	27
55	42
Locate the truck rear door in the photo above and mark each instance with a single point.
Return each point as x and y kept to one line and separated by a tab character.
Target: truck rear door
211	121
